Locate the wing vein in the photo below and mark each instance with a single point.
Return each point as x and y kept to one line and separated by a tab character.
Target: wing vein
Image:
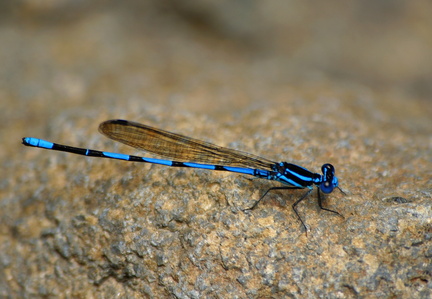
178	147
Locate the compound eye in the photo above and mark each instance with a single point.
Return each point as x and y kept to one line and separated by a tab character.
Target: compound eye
327	187
327	168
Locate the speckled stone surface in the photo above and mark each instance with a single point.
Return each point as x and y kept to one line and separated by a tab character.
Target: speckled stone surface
307	85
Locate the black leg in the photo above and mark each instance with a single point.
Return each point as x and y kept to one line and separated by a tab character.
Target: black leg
273	188
322	208
295	210
296	203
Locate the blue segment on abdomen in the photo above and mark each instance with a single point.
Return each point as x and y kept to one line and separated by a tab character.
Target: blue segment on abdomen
157	161
39	142
240	170
116	155
198	165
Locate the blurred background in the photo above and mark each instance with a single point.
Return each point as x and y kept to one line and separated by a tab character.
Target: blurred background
384	44
99	55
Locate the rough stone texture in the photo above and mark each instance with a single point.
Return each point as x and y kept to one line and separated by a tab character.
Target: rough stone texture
349	85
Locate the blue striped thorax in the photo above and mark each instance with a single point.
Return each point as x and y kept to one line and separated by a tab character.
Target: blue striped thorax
300	177
295	175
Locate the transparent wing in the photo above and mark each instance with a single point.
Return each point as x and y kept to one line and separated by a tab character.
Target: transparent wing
178	147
